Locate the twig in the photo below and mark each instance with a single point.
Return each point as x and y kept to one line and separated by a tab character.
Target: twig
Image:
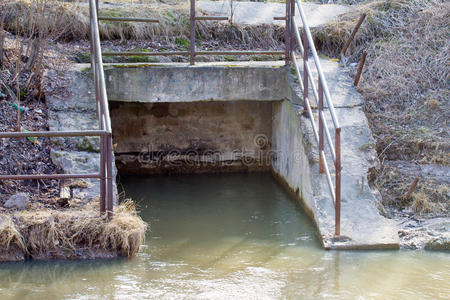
8	90
2	41
360	68
352	36
379	155
412	188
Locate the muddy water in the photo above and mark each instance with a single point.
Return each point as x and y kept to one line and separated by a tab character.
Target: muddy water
230	237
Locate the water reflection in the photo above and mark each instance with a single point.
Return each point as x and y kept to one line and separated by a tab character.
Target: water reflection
233	236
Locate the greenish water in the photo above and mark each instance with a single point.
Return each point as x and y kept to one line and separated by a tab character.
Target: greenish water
232	236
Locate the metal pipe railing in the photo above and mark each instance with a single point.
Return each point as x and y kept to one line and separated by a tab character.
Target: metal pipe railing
192	53
106	157
122	19
306	44
317	62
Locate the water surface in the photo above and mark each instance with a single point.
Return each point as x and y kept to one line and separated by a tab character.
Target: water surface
232	236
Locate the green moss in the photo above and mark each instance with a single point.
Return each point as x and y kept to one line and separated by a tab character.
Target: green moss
230	58
141	58
86	145
265	57
182	42
82	57
366	146
23	93
138	66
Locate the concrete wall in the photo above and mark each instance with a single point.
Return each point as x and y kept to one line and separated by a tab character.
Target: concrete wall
292	153
152	138
179	83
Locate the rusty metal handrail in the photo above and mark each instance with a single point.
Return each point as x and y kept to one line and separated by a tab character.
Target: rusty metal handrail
306	44
106	149
28	134
123	19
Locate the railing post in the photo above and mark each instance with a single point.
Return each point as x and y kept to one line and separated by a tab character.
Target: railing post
103	193
337	205
291	31
103	175
360	68
192	33
109	177
305	72
321	144
287	38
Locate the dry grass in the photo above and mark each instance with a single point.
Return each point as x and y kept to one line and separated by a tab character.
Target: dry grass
9	234
406	76
430	196
71	234
72	21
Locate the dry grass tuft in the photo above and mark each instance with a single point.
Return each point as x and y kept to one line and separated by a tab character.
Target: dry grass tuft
9	234
71	234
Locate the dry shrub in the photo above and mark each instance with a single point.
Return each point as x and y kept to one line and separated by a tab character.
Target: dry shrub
46	234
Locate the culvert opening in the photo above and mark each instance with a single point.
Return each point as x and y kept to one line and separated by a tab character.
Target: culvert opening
192	137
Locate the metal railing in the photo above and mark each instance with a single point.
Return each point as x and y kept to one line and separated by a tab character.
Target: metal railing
306	45
106	167
192	53
106	148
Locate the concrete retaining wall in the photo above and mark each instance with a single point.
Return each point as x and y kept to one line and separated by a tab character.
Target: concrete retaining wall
195	137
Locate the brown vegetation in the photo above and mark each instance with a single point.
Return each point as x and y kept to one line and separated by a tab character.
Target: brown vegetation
73	233
72	22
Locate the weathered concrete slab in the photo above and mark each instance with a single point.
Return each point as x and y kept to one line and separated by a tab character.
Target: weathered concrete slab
76	111
80	162
202	82
254	13
338	79
362	225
